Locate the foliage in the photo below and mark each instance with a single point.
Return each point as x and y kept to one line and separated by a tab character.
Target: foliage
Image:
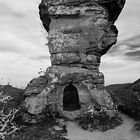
41	72
7	125
137	126
102	119
127	97
9	113
40	131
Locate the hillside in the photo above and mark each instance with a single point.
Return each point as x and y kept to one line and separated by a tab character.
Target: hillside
115	87
129	90
15	93
127	96
135	86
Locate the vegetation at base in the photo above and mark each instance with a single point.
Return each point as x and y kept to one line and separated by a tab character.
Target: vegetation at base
7	115
10	129
98	120
40	131
137	126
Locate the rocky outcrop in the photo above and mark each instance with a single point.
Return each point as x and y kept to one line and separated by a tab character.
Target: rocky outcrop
79	33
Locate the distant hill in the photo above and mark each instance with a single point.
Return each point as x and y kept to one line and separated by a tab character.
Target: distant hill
115	87
11	91
122	91
135	86
130	90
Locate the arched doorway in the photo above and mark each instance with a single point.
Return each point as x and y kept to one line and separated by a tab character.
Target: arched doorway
71	98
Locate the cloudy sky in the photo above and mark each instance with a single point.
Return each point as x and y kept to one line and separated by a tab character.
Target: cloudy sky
23	51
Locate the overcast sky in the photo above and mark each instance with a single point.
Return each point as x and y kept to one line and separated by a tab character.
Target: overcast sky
23	51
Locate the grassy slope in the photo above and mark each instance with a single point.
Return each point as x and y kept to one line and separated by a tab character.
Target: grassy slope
15	93
127	96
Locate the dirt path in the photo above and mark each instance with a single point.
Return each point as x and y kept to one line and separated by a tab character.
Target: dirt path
123	132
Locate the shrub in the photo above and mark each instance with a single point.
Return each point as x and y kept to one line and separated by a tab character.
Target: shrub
7	125
102	119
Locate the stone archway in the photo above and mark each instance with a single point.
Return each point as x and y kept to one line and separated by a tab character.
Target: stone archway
71	98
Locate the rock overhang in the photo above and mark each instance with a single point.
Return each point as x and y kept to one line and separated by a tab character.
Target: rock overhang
113	7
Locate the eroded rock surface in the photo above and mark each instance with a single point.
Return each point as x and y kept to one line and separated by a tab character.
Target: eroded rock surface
79	33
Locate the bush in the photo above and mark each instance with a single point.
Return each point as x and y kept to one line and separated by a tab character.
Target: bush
99	120
137	126
7	125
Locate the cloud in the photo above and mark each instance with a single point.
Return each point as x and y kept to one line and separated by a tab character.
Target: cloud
127	49
22	42
11	43
134	56
122	63
19	69
20	32
41	57
129	19
120	69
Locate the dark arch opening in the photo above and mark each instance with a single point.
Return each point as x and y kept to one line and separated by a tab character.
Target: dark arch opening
71	98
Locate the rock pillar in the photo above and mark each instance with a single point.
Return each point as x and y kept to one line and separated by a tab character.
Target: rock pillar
79	33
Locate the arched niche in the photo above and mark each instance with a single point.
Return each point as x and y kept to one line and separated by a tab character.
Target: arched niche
71	98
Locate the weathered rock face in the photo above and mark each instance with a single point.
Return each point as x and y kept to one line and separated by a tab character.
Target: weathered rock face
79	33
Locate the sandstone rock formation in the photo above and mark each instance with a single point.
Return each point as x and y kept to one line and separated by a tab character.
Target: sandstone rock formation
79	33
